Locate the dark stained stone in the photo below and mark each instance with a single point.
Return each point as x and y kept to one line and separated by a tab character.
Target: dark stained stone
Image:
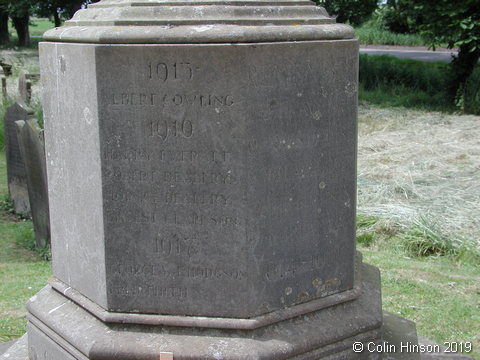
30	138
24	87
16	173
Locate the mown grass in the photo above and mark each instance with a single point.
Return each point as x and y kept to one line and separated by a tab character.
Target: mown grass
435	282
22	272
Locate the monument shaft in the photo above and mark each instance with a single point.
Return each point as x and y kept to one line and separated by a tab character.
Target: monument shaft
202	166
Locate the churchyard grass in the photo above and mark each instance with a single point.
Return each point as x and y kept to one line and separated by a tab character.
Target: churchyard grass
39	26
22	272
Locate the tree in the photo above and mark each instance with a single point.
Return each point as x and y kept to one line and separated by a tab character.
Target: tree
4	34
454	23
50	9
352	11
60	9
19	12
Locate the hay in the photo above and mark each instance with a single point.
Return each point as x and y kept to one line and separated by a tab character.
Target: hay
416	163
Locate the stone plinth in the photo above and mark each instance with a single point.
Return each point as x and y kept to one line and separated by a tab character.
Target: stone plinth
201	160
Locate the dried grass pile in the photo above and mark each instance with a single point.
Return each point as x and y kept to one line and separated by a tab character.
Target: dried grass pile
416	164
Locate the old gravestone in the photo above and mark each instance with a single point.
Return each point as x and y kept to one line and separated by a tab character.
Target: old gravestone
16	173
201	178
3	82
31	143
24	87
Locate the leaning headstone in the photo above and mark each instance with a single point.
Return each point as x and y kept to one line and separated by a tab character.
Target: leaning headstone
30	138
16	173
24	87
3	81
201	178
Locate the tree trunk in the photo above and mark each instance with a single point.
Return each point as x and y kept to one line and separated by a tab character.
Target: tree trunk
56	18
4	34
74	7
21	26
462	67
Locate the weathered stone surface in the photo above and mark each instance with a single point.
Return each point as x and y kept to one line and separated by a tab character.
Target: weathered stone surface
17	350
24	87
6	345
31	142
199	21
328	333
398	332
16	173
214	166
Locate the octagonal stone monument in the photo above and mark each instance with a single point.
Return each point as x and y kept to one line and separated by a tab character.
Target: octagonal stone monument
201	160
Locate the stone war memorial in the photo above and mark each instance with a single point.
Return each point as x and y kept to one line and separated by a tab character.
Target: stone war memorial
201	163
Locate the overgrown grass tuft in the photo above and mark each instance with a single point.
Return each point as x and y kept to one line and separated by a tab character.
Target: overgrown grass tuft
423	238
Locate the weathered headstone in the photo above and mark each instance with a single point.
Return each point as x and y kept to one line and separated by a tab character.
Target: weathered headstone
201	177
30	138
24	87
3	81
16	173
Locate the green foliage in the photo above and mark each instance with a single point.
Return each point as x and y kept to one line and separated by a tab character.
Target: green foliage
469	94
354	12
7	205
374	32
424	238
365	221
26	238
366	239
387	70
456	24
451	22
397	17
401	82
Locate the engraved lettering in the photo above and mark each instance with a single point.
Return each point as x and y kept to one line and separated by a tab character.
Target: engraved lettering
164	129
166	246
151	290
175	272
114	153
292	267
175	100
172	71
